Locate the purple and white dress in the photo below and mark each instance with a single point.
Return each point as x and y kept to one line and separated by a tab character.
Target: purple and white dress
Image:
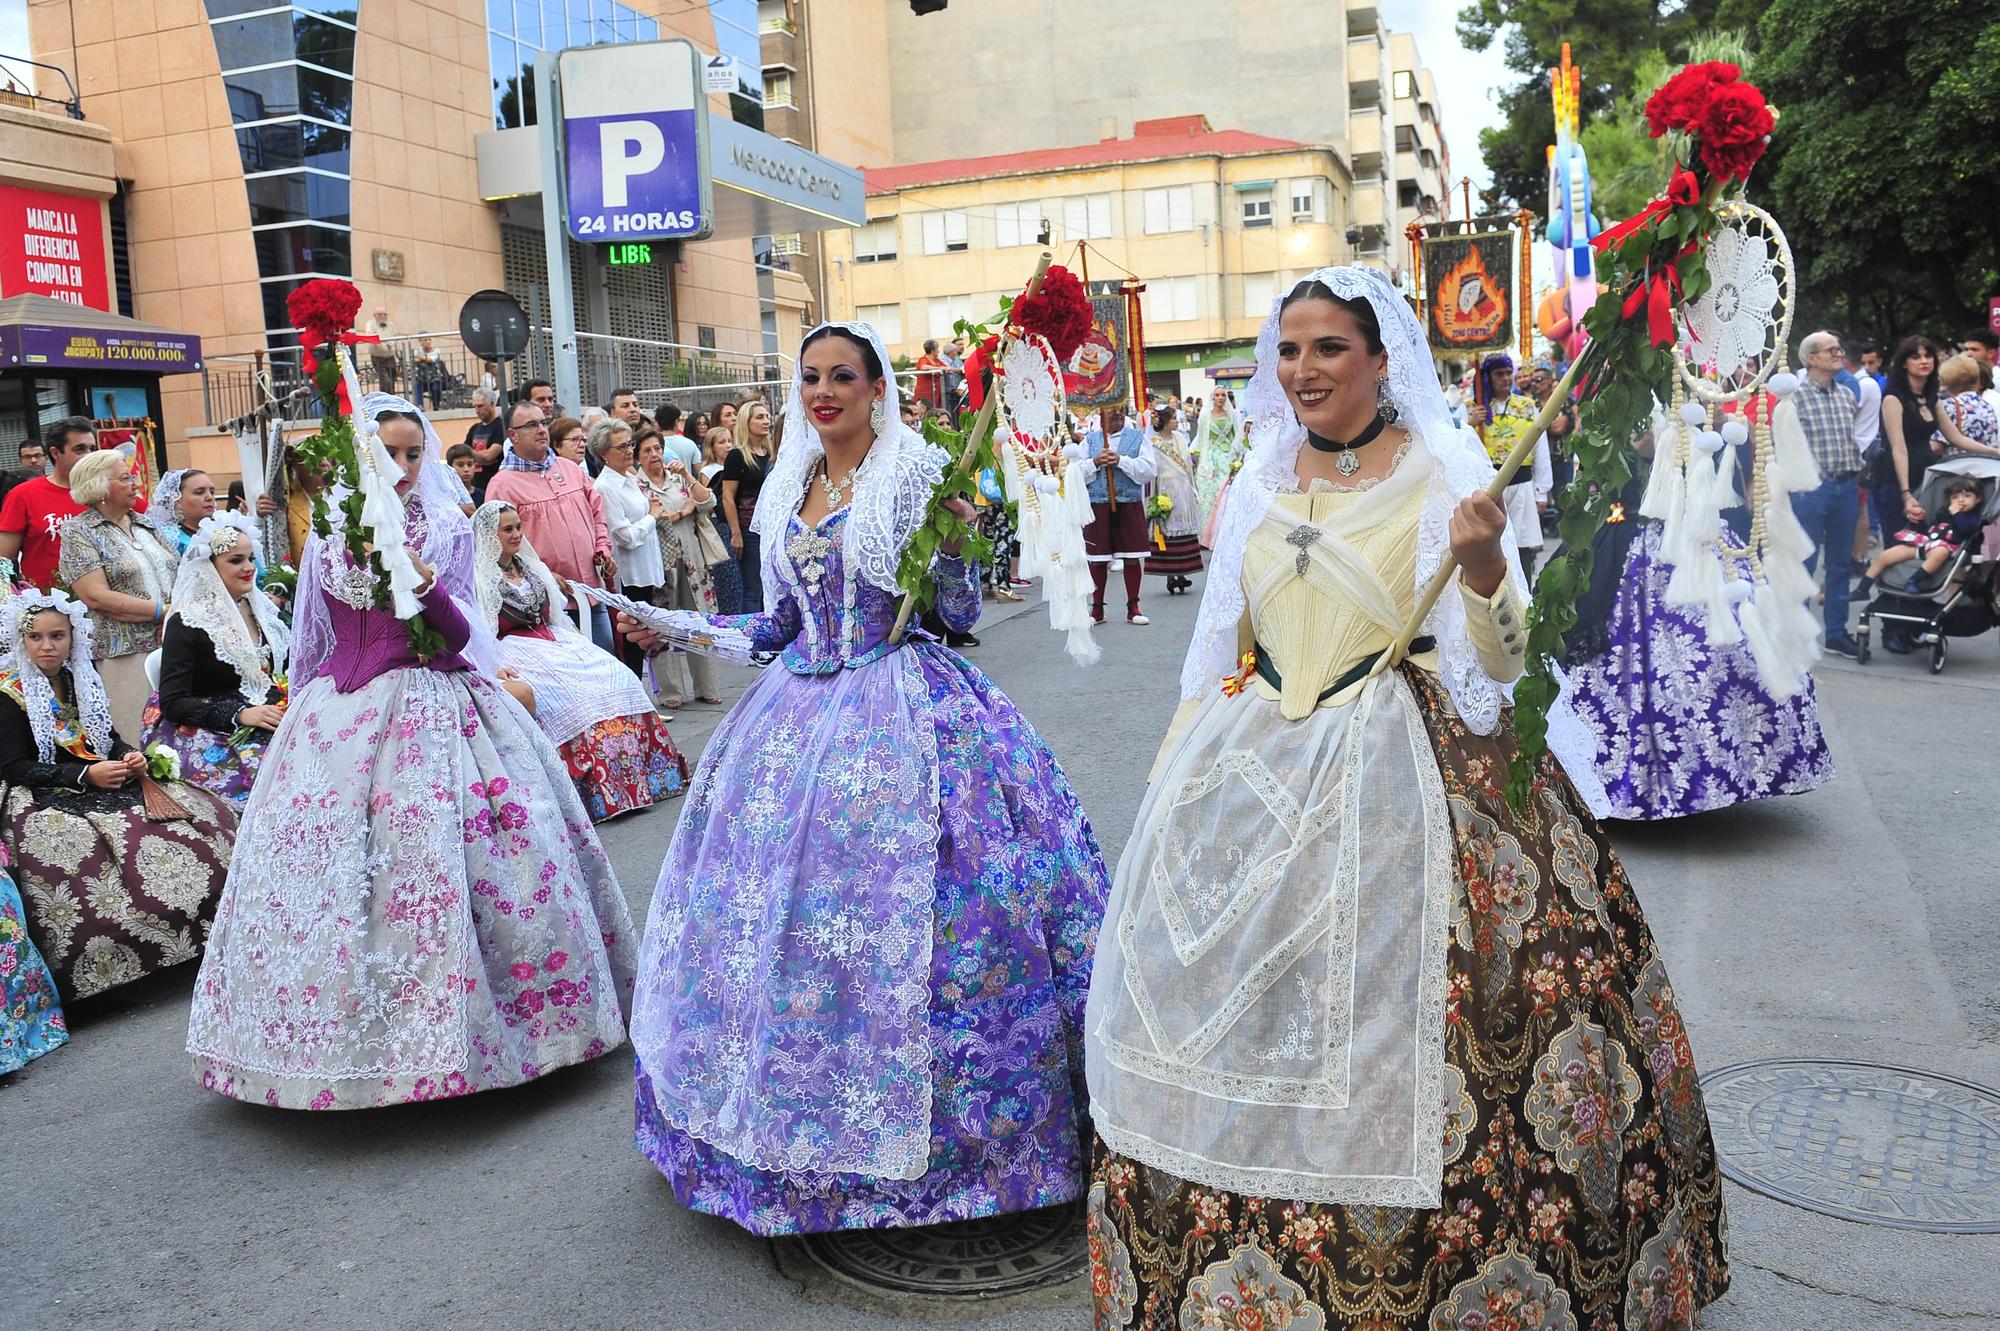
861	987
417	906
1683	725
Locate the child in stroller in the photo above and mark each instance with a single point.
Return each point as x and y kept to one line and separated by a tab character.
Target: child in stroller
1939	582
1955	529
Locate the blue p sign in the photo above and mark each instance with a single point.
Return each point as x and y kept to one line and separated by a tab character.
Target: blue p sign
632	142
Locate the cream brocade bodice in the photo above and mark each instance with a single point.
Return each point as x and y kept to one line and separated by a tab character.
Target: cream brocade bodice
1358	587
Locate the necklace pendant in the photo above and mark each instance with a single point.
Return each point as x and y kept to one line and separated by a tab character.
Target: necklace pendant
1347	464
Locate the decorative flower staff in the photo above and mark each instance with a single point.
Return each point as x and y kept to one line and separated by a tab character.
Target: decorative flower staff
350	455
1053	307
1651	264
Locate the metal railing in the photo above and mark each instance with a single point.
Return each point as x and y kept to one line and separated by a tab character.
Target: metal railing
72	106
445	377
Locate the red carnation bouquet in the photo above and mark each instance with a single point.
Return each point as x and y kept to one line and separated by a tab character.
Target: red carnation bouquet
1726	117
323	309
1058	310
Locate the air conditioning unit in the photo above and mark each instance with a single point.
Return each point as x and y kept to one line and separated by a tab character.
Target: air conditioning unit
923	7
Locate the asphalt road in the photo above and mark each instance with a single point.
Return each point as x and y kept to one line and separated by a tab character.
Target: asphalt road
1856	922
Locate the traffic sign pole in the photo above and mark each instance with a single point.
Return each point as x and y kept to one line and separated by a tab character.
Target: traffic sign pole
555	237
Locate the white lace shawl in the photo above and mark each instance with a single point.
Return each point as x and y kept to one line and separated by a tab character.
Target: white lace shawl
201	601
892	490
93	706
487	574
1460	468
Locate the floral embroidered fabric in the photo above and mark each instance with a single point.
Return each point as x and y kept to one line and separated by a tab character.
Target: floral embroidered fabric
1579	1186
861	985
417	905
1682	725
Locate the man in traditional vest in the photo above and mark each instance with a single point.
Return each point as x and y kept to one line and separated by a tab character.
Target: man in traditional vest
1122	464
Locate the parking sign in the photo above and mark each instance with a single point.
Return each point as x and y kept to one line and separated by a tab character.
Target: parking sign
634	142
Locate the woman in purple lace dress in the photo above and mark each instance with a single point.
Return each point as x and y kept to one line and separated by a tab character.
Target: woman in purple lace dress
1683	724
417	907
861	987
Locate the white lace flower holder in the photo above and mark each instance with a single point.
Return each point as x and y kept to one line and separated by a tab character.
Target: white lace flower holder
1731	349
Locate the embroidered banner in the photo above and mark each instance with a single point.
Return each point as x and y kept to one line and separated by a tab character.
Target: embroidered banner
1099	376
1469	290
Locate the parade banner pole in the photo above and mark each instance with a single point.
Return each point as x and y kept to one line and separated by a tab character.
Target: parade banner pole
982	426
1558	399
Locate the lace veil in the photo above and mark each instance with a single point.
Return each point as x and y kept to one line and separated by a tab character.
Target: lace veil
93	707
431	522
160	512
892	490
486	569
1459	468
201	601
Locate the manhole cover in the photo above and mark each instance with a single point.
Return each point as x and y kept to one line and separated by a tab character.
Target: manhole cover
998	1257
1863	1141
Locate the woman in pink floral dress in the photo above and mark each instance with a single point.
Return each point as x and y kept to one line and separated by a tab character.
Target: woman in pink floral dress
417	906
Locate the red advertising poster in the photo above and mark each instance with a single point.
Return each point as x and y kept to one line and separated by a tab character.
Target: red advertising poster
53	245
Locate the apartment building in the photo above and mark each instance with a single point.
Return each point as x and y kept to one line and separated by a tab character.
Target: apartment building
1213	222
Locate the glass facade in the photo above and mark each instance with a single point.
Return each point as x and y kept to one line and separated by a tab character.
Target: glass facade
288	71
519	30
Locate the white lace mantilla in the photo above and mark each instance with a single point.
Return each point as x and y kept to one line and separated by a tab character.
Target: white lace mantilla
1459	469
892	490
201	601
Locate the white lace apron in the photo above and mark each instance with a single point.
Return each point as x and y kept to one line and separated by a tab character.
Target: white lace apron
1267	1010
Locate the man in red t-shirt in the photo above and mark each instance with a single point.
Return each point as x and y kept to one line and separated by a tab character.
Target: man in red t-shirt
31	520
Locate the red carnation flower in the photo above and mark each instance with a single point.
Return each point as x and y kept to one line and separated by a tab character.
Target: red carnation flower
1058	311
323	308
1681	99
1733	129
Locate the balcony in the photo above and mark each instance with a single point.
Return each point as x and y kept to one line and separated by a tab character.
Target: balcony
1363	18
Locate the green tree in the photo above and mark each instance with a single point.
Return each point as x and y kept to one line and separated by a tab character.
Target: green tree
1609	41
1885	167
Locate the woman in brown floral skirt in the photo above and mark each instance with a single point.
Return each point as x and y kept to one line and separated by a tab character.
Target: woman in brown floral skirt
1366	1047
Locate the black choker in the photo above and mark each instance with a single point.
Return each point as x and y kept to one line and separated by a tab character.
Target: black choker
1362	440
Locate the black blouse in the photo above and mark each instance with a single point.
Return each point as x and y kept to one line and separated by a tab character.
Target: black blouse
21	763
197	687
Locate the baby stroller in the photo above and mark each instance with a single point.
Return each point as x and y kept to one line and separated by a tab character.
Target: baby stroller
1958	601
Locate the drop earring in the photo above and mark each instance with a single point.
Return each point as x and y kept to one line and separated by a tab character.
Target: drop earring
1385	405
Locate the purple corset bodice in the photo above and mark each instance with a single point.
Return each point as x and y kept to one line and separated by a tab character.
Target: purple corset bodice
813	624
368	643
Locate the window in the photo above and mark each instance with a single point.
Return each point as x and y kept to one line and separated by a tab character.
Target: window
943	314
778	88
944	233
788	244
886	320
1259	290
1406	194
772	16
1017	224
1305	201
1086	217
1170	300
1406	83
875	242
1406	138
1169	210
289	143
1256	207
297	196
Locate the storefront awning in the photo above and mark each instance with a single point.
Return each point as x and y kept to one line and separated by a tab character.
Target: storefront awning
38	332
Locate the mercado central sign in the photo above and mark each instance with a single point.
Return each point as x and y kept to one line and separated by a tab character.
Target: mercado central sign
643	157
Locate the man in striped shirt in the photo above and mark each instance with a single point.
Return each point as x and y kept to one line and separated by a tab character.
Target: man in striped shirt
1830	511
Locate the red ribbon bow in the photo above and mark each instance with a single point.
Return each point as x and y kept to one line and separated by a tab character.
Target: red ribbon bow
1656	293
1683	191
310	363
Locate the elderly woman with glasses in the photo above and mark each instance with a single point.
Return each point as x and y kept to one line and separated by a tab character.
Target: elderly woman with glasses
123	570
631	516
